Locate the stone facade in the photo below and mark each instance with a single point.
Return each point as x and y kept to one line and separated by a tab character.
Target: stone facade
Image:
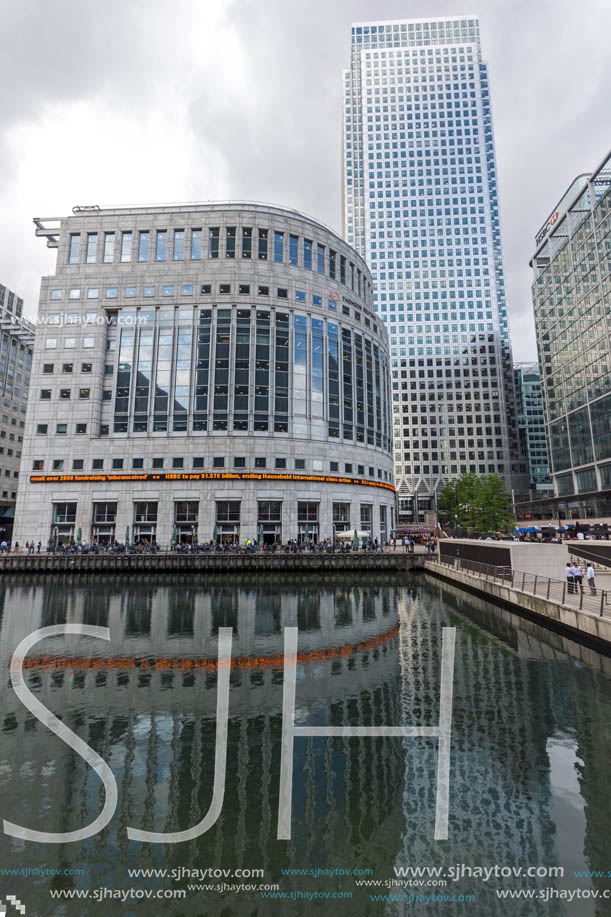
191	358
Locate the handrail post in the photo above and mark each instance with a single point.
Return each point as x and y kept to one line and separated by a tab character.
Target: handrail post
535	585
581	598
563	592
602	598
549	583
523	581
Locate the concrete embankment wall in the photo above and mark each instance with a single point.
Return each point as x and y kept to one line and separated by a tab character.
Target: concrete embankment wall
374	561
580	624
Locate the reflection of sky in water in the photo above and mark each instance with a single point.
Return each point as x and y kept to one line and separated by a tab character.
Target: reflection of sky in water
530	769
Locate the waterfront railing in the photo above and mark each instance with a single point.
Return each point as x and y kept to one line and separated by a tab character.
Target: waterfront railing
564	592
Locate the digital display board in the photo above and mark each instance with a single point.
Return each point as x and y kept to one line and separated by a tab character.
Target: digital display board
202	476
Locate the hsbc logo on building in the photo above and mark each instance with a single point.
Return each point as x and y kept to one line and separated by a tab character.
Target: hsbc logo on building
549	225
13	906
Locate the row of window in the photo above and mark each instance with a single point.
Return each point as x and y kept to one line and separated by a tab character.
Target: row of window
231	243
186	289
218	463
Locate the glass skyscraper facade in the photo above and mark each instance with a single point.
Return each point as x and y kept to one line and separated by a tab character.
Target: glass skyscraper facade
531	424
420	205
572	302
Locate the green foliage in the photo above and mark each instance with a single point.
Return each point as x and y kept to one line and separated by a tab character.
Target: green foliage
476	504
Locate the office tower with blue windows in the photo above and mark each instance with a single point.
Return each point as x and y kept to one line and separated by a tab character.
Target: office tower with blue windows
420	204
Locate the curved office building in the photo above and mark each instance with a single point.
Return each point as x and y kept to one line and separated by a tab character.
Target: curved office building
205	371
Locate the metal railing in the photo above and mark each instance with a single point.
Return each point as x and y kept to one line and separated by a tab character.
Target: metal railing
563	592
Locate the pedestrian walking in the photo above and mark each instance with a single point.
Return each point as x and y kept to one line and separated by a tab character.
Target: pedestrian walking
569	577
590	576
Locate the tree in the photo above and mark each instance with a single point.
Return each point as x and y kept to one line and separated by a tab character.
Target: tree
476	504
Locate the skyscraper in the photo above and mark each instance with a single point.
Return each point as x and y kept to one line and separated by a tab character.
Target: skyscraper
420	204
531	424
571	299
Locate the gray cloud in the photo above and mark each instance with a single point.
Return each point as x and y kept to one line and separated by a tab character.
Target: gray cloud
132	102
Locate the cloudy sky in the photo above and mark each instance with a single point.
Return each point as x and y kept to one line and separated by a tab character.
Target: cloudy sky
146	101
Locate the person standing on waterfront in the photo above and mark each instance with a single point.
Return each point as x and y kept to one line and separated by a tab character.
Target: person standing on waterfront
578	576
569	577
590	576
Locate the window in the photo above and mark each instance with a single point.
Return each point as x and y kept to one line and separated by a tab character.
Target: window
64	393
112	292
230	242
144	243
38	465
77	464
263	291
167	290
67	367
84	393
178	462
263	245
74	248
149	291
334	466
196	244
161	244
281	463
307	254
239	461
117	464
228	511
279	246
69	343
137	463
205	289
157	463
320	258
45	394
81	428
179	245
91	248
218	461
332	263
293	249
126	246
58	464
109	247
225	288
348	468
61	428
300	295
283	293
260	461
186	289
88	342
86	367
213	242
299	464
107	394
41	429
244	289
246	242
57	294
198	461
47	368
97	464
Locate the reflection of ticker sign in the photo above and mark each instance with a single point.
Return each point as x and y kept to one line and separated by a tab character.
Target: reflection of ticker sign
14	905
290	732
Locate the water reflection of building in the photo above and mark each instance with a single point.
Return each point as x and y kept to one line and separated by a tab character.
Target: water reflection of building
155	725
523	698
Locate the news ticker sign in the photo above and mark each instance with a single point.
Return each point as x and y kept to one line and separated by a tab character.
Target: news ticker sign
201	476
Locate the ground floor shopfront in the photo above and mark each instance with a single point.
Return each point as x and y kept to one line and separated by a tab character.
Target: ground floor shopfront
175	514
